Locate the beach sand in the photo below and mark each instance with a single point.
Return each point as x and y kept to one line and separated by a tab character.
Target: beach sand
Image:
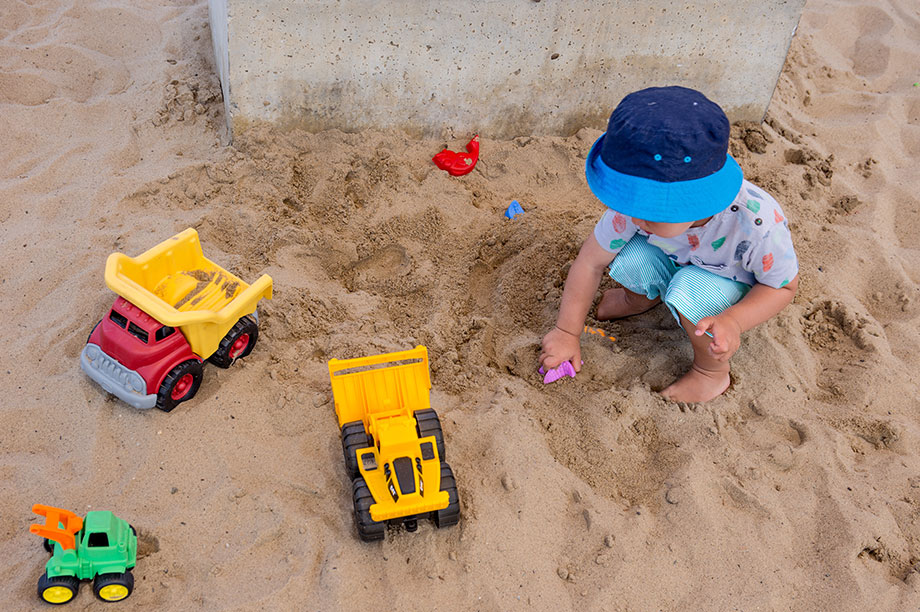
799	489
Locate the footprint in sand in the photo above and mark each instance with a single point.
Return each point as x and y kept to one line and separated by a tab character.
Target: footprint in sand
112	31
870	53
25	89
776	438
383	271
38	74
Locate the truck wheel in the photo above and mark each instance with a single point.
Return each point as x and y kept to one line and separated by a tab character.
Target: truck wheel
428	424
354	438
57	590
451	514
238	343
179	385
369	530
113	587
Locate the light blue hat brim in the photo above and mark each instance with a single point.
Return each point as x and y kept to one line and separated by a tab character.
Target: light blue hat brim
677	202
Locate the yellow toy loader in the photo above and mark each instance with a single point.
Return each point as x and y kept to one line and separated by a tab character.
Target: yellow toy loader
392	442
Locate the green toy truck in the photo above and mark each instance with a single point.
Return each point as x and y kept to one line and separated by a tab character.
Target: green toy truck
101	548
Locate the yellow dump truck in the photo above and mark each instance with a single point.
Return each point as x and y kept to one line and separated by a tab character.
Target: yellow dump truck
392	442
176	308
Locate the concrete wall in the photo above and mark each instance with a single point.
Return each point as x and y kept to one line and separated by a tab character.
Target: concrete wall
217	11
501	68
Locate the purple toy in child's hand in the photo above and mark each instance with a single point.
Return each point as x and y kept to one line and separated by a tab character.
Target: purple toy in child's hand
560	371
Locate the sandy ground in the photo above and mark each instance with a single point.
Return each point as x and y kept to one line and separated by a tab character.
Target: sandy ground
799	489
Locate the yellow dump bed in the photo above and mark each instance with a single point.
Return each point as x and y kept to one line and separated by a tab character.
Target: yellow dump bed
381	385
178	286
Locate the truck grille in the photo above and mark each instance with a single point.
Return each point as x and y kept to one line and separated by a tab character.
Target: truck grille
127	385
114	371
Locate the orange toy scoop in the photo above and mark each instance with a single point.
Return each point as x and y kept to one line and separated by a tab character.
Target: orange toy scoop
458	164
54	518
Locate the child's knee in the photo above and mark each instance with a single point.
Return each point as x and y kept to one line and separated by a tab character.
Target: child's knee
642	268
696	293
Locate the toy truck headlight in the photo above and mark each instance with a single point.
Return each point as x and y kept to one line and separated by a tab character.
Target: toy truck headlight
369	462
137	383
92	352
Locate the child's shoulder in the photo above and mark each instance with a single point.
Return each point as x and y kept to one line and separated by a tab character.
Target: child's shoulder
755	209
751	191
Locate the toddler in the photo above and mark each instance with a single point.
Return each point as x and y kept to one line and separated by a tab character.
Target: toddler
682	227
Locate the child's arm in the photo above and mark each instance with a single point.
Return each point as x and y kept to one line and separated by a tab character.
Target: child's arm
562	342
760	304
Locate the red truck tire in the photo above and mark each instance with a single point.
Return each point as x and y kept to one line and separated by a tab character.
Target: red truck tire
180	384
238	343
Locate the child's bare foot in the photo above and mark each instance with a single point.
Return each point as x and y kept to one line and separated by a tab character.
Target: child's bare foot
618	303
698	385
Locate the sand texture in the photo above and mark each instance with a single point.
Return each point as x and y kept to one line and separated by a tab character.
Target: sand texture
799	489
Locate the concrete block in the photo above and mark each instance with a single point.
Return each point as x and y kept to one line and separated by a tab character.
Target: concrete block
501	68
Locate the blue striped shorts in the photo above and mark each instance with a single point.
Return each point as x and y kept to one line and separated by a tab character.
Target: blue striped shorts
688	290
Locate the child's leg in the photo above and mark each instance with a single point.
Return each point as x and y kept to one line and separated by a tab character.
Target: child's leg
618	302
693	294
644	271
707	377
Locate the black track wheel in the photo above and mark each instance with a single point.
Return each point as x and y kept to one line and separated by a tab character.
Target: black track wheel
428	424
451	514
369	530
58	590
354	438
113	587
238	343
180	384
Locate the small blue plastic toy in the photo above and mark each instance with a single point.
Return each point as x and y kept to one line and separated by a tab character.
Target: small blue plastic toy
513	210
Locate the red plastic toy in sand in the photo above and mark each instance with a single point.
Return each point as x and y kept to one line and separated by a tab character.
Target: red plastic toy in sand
458	164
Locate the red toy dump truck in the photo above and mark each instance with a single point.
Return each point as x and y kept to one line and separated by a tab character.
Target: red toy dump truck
175	309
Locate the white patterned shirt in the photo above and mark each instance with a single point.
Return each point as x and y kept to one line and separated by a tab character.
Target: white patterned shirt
747	242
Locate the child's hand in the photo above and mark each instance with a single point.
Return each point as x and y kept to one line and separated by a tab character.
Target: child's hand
725	332
559	346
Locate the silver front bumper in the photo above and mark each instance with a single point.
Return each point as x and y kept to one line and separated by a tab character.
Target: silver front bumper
127	385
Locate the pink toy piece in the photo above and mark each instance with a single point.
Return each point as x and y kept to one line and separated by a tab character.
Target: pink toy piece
561	371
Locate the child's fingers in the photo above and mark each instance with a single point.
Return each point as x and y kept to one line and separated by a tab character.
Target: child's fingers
704	326
722	346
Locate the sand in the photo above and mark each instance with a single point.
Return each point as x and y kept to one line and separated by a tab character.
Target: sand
799	489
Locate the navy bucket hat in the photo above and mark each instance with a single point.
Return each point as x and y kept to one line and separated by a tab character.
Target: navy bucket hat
664	157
